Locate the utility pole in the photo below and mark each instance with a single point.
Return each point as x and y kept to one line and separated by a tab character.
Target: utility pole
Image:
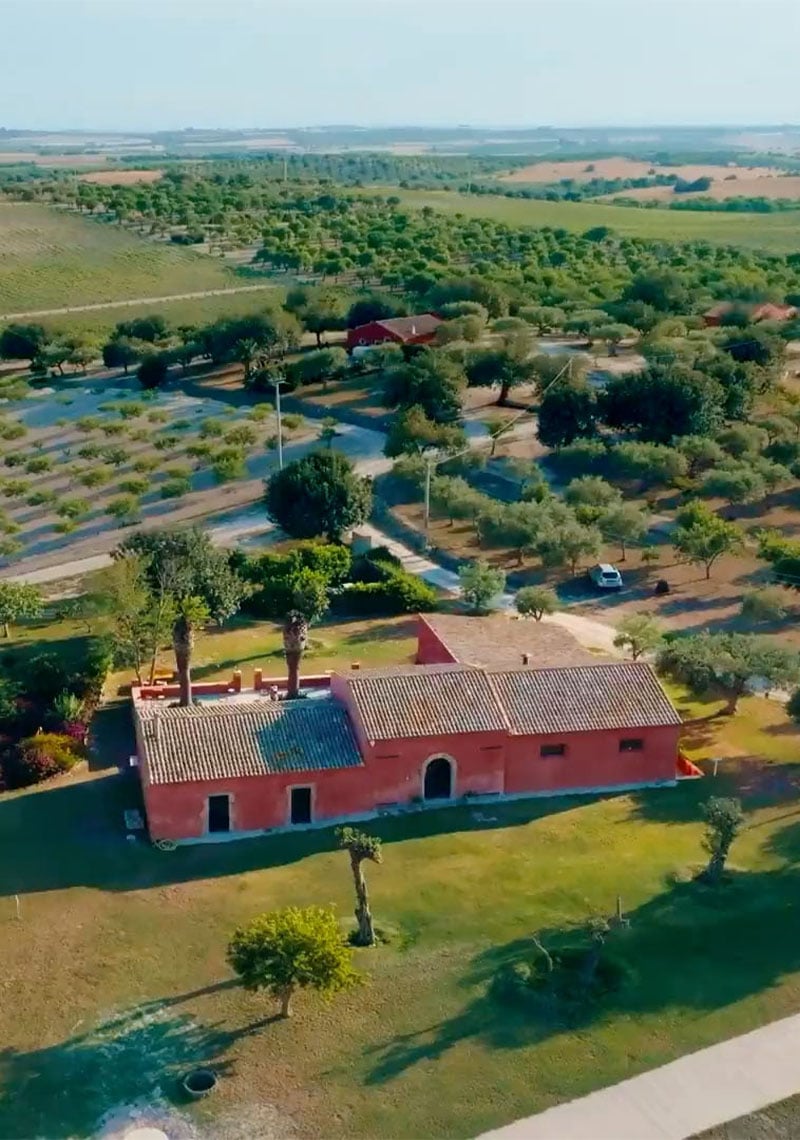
429	465
276	384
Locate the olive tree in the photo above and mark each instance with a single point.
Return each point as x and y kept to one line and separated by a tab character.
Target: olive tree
361	847
292	949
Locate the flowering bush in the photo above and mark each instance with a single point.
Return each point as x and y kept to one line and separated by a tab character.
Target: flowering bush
41	757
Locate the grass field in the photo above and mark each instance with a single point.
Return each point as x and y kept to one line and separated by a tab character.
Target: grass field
116	962
777	233
200	310
51	258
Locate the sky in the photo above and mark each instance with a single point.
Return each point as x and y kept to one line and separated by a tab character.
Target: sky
168	64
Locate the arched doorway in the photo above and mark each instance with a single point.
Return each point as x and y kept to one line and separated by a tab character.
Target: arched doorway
438	783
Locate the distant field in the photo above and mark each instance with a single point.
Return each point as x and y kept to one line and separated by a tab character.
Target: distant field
121	177
776	233
746	185
585	170
52	258
12	157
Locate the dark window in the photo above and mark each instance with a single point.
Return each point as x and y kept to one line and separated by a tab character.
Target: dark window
632	744
219	813
553	750
300	808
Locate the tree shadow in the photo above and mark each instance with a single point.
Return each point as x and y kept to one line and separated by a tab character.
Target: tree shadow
73	834
691	948
62	1091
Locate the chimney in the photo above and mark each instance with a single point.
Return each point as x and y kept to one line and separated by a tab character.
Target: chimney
157	728
413	330
526	658
258	677
355	665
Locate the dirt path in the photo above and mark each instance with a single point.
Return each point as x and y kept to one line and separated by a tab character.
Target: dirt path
135	301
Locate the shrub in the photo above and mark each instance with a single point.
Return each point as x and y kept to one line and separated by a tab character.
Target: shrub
157	416
175	488
211	428
13	431
15	488
41	498
242	435
116	456
66	526
15	459
146	464
261	412
292	421
564	980
40	758
73	508
130	410
399	593
89	423
9	547
166	442
136	485
228	465
113	429
178	471
199	450
125	509
38	464
96	476
90	451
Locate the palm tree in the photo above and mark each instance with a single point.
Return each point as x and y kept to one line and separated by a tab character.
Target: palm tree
192	612
295	640
360	847
246	352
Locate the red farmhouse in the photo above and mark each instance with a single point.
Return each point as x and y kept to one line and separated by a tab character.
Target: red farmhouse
394	330
476	717
766	311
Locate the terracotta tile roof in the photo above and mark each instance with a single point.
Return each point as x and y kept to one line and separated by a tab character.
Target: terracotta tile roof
625	694
217	740
498	641
425	700
423	324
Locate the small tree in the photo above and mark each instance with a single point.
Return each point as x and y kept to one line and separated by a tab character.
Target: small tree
639	633
361	847
18	601
724	818
318	494
702	536
623	523
287	950
295	641
535	601
480	583
496	427
327	431
153	371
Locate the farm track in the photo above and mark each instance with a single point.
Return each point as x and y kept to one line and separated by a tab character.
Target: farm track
134	301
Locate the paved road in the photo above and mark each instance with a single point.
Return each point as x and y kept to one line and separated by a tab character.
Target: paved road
679	1100
135	301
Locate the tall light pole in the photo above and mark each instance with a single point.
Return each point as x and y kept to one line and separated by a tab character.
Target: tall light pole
276	384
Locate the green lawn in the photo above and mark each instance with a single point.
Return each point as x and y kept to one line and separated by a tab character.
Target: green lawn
777	233
52	258
117	971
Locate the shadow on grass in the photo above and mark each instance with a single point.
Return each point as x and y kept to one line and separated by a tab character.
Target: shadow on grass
64	1090
73	834
690	948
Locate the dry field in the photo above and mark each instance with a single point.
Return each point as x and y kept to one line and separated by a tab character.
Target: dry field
626	168
122	177
744	185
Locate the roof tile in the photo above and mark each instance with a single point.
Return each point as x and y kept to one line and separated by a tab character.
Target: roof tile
217	740
624	694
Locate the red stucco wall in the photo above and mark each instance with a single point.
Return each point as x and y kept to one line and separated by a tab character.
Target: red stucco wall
431	650
591	760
